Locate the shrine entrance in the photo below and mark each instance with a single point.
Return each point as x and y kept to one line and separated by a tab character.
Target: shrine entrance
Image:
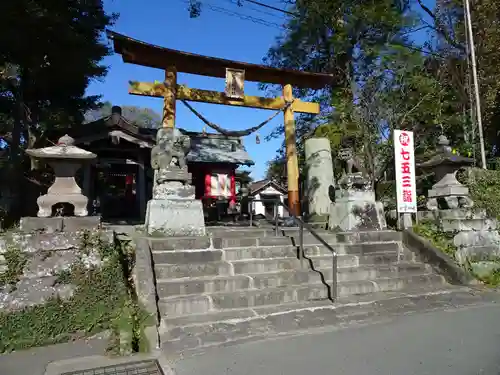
236	73
116	191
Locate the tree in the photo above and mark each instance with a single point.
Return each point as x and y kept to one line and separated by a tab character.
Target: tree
243	177
57	48
360	44
142	117
383	81
450	41
50	51
276	170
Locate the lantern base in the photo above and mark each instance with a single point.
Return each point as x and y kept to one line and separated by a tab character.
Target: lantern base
45	203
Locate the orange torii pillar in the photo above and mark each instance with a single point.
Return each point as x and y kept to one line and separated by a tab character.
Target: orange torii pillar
292	165
170	97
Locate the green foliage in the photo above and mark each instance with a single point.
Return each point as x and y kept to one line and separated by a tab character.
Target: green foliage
444	242
441	240
382	82
102	300
53	78
484	188
492	279
15	260
276	170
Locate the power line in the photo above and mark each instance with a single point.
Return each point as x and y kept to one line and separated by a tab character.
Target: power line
273	8
275	25
244	17
239	4
427	52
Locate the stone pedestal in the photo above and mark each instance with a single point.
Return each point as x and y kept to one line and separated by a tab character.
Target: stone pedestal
320	179
174	211
356	210
175	217
59	224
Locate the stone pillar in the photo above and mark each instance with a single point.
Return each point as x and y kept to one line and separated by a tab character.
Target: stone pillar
319	179
141	186
405	221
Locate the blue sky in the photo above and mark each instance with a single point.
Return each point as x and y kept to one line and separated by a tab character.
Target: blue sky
167	23
214	33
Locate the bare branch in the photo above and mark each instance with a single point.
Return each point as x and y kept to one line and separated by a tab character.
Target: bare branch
440	28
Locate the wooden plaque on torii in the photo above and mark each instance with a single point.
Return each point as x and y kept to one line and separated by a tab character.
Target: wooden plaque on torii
172	61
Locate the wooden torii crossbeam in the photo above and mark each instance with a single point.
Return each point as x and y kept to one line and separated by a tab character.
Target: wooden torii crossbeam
172	62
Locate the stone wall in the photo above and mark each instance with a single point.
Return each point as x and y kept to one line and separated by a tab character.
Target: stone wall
31	265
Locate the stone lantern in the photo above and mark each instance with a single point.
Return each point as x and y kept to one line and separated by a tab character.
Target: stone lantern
475	234
65	159
445	165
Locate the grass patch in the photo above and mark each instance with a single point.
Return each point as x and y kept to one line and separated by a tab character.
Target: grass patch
440	240
15	261
102	300
493	279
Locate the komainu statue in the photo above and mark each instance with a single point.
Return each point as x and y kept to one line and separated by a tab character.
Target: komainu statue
168	157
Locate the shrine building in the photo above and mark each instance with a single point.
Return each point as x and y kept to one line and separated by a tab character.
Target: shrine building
121	179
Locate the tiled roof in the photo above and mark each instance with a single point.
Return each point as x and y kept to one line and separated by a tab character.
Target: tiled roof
257	186
216	148
205	148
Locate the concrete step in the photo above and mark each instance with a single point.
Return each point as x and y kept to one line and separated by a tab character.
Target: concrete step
169	265
179	243
212	302
204	303
367	248
195	243
369	236
286	278
263	252
251	232
370	272
326	261
200	285
173	324
176	271
196	333
223	238
223	243
187	256
214	284
225	232
257	266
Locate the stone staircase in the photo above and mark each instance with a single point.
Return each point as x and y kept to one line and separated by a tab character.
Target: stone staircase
230	285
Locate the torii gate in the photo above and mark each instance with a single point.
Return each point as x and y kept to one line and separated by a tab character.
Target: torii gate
172	62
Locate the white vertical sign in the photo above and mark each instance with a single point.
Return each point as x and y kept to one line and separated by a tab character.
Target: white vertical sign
404	156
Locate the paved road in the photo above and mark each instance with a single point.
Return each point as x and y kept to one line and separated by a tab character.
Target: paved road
453	342
34	361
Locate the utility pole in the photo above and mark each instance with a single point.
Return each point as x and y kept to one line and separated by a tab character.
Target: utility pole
476	83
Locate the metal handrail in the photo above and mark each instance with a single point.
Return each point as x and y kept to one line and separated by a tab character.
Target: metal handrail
310	229
302	224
